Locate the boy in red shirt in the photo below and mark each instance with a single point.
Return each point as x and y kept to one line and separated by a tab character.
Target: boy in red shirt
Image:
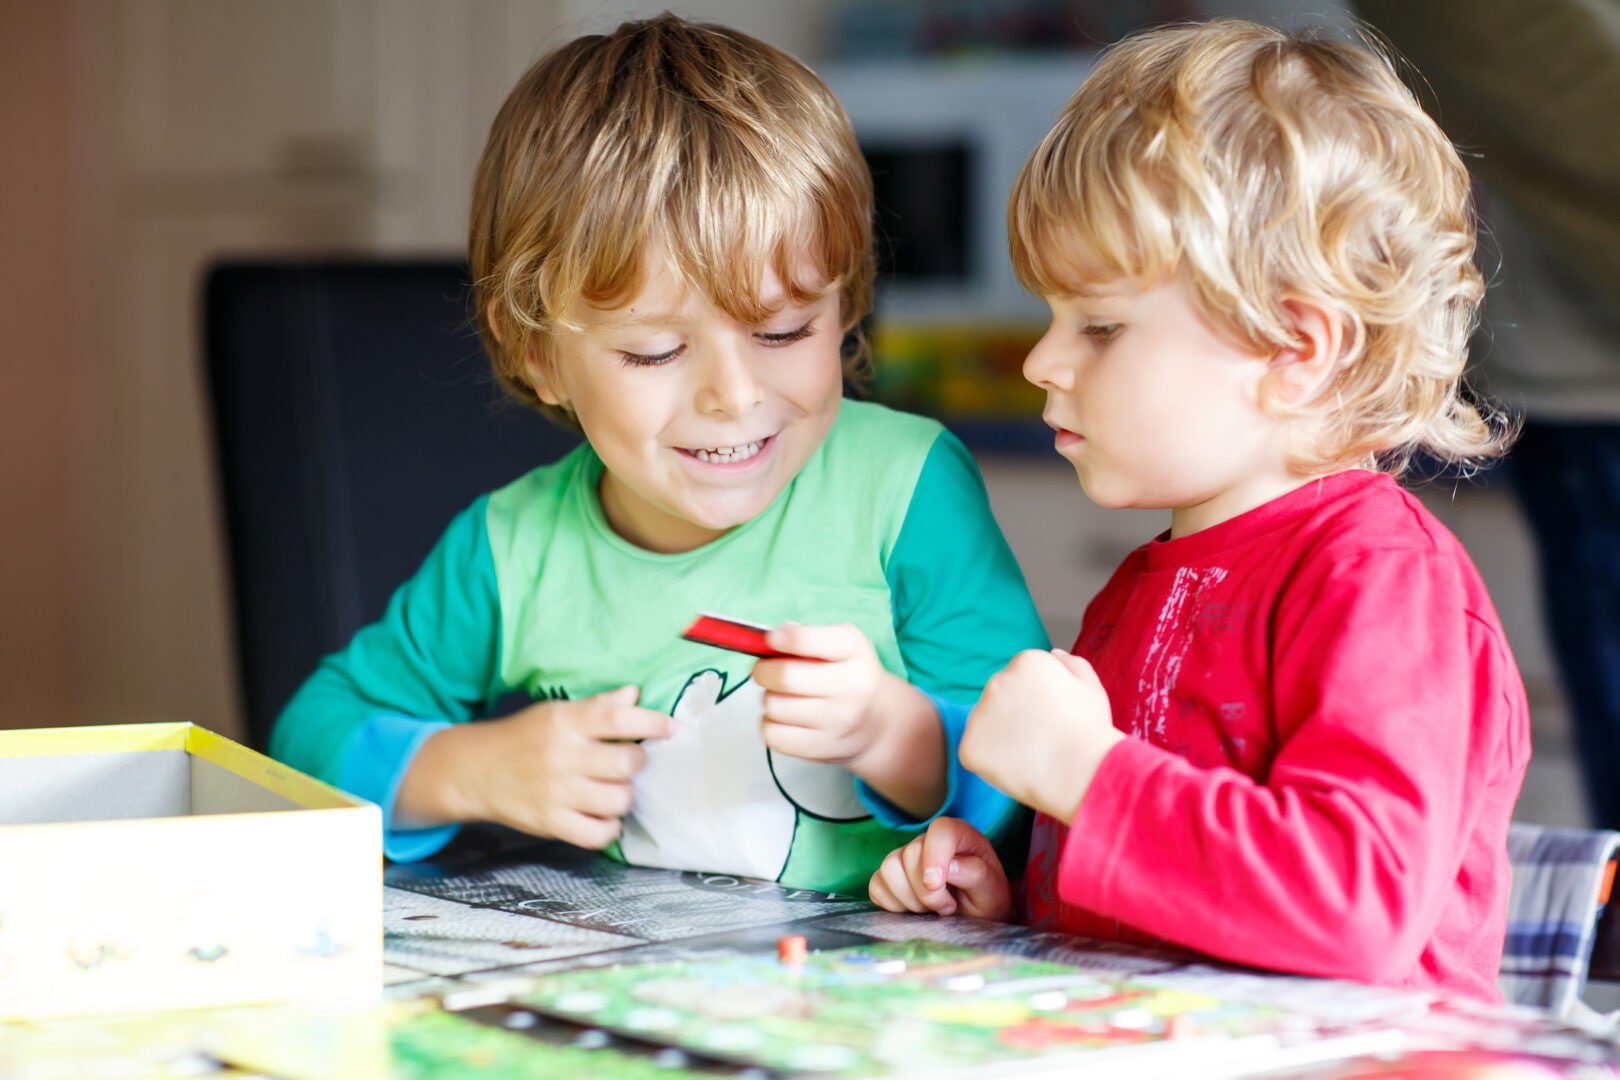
1290	733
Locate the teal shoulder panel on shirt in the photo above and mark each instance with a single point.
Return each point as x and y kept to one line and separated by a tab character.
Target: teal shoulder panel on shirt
872	469
961	603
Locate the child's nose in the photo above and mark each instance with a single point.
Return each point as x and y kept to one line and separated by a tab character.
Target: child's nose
1044	367
729	386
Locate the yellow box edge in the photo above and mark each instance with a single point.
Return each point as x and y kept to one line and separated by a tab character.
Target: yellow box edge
93	739
268	773
289	783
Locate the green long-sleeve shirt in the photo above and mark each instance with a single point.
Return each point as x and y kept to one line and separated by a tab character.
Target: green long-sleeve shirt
886	527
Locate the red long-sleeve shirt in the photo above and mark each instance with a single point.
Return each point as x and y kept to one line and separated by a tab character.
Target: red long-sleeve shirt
1328	737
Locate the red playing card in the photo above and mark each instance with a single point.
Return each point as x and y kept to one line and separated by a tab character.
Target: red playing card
730	634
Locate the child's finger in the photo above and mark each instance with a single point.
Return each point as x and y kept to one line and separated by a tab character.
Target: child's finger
981	888
611	760
616	724
890	882
939	846
797	676
945	840
879	892
840	642
809	743
910	858
926	881
942	902
1075	666
792	710
602	799
969	872
585	830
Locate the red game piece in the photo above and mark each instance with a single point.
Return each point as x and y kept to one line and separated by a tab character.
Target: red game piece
1180	1027
730	634
791	949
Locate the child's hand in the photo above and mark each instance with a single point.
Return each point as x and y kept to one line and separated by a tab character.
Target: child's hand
951	869
821	702
556	768
832	701
1040	730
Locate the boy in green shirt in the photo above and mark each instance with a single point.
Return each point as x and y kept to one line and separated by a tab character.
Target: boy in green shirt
671	242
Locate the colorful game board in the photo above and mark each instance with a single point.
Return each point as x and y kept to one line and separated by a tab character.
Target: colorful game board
911	1006
448	1046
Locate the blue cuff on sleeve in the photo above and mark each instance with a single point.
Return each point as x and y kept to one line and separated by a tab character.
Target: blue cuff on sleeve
373	766
966	796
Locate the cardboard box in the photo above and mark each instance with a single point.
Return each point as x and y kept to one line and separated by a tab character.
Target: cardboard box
162	866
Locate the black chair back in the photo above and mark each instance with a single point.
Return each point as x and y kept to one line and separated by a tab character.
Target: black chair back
354	414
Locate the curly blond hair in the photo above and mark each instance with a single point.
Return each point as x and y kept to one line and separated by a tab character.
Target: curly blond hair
1266	166
728	154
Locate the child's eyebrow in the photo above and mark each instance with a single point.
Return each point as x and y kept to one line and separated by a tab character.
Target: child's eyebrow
621	319
1096	294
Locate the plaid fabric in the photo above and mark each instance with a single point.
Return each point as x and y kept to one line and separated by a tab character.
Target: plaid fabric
1553	909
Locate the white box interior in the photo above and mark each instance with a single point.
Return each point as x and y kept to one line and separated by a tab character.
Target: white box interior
38	790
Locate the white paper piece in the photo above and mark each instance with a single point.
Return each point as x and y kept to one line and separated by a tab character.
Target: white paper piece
708	799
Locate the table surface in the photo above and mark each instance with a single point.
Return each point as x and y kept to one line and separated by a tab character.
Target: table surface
468	934
499	908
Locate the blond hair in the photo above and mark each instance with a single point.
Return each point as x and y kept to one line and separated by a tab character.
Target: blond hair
1266	167
729	154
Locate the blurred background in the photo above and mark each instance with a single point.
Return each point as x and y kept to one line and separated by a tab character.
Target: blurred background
140	140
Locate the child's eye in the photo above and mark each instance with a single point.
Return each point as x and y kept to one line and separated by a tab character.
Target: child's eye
1104	332
788	337
644	360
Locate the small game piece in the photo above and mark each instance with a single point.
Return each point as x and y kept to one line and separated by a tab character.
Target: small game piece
494	992
731	634
791	949
1180	1027
1133	1019
520	1020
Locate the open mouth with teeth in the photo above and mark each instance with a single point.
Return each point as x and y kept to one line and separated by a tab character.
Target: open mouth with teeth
728	455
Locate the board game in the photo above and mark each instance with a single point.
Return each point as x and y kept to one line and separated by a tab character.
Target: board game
520	958
915	1006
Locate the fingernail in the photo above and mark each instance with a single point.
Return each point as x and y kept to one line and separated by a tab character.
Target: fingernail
954	870
932	879
947	909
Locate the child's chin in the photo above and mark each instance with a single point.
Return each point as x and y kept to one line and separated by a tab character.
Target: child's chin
1109	497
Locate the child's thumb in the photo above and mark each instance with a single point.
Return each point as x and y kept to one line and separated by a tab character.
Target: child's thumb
1076	666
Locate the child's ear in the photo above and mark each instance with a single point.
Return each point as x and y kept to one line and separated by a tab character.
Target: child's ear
1298	371
539	371
535	367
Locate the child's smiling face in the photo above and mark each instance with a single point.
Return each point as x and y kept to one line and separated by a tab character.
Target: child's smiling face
700	421
1154	409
